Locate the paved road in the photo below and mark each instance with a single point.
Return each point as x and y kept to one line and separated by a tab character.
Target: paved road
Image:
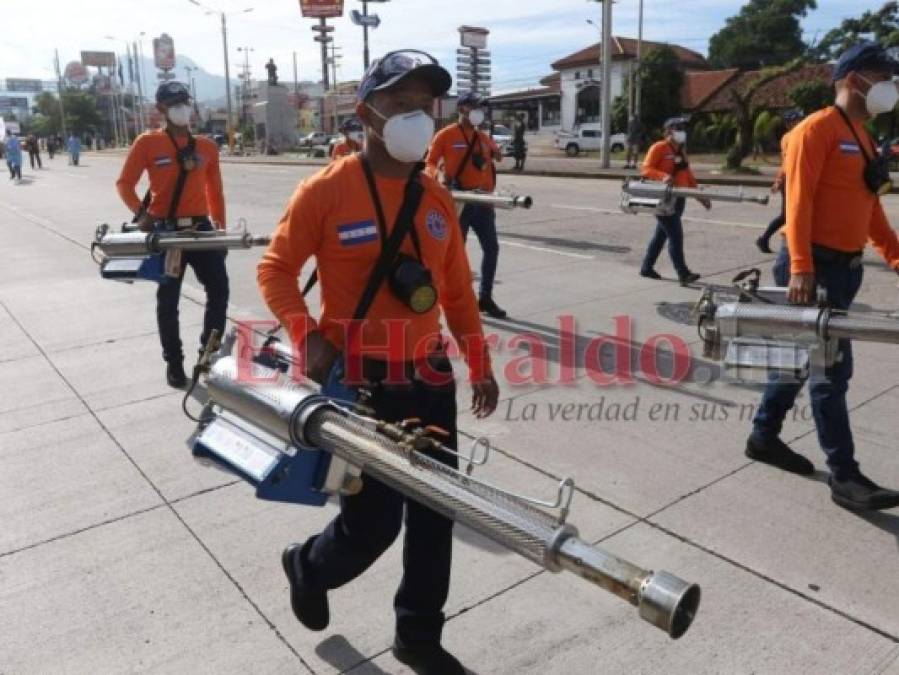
118	553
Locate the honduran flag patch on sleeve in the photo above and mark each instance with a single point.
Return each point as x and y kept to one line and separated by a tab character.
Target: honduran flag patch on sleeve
849	148
353	234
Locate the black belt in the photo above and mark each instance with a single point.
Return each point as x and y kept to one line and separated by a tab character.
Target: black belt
831	256
377	371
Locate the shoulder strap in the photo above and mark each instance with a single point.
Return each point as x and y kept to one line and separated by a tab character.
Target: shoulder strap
182	172
474	139
404	223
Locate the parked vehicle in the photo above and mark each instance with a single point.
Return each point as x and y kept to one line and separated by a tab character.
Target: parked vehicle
502	135
315	138
584	139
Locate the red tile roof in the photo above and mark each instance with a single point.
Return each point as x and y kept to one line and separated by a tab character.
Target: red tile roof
700	85
623	48
775	94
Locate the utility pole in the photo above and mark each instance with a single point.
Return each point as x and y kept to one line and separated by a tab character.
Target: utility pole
62	109
606	102
334	86
143	81
323	29
638	85
296	82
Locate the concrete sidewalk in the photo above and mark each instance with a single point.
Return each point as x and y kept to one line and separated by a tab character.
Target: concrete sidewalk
120	554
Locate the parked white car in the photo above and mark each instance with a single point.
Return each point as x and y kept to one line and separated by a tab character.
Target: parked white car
315	138
574	143
502	135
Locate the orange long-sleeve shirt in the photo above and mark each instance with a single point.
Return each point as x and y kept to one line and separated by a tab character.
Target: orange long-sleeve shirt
449	148
828	202
659	165
331	216
154	153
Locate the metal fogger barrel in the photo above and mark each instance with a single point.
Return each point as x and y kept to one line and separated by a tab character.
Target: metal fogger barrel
132	255
256	429
644	196
763	333
495	199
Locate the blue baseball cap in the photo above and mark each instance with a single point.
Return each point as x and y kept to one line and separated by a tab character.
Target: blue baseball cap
672	122
349	125
172	93
793	115
865	56
395	66
470	99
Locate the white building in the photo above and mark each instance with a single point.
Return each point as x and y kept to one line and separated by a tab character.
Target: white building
571	96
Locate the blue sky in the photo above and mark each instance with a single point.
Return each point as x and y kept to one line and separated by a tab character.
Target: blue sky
526	35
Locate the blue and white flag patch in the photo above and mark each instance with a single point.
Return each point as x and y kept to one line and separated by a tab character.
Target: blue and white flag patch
162	160
460	146
357	233
849	148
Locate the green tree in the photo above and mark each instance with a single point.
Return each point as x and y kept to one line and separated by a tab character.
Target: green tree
764	33
812	96
662	80
882	24
745	113
82	114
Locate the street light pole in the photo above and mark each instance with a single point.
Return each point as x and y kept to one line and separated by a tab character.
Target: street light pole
606	104
638	85
228	127
365	55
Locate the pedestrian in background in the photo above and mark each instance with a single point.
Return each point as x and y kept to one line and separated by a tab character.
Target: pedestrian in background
13	156
34	151
51	146
519	145
634	141
74	148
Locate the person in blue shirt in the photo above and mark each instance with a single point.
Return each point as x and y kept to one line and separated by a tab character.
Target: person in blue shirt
74	147
13	156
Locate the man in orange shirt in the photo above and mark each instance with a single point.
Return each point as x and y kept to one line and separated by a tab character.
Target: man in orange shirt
466	154
833	209
345	216
353	137
791	119
199	204
667	162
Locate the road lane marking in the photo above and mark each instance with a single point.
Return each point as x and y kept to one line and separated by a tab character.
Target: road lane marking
579	256
612	212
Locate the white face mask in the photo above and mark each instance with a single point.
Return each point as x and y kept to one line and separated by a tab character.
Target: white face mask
476	117
881	97
179	115
356	136
679	136
407	135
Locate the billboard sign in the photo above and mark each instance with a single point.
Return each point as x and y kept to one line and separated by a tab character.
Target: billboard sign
321	9
474	37
164	52
18	84
98	59
76	73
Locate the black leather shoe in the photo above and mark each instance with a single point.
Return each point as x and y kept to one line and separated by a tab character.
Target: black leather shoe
860	493
689	278
309	604
174	374
489	307
429	660
777	453
762	245
650	274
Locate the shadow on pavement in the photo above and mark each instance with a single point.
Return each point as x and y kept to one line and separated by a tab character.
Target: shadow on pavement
339	653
